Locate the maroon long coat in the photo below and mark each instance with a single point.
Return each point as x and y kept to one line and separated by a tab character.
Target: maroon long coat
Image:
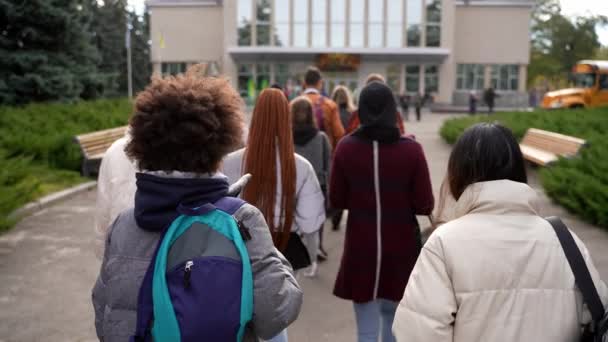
404	191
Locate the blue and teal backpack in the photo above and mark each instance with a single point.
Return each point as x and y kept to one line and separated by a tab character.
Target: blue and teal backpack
199	285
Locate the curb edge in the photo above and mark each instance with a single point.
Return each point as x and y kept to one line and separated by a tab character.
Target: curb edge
49	200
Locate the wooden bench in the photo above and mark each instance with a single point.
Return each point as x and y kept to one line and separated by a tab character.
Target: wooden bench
94	145
544	147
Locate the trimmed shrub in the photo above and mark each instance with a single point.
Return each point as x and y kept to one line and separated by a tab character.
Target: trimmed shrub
37	150
580	184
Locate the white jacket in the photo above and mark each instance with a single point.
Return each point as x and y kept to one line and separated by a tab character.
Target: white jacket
310	203
115	190
495	272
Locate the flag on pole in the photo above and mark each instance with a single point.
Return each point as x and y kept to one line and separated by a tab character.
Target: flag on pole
162	41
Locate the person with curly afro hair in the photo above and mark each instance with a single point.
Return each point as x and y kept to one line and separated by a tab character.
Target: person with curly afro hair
180	130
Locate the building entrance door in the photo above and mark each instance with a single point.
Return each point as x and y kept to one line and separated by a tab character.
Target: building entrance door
332	80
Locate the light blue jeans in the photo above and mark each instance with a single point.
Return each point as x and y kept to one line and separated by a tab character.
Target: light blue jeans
281	337
373	317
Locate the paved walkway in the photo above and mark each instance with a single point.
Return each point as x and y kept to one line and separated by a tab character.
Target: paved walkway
47	267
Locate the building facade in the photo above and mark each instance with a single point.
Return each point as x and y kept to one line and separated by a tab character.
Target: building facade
445	48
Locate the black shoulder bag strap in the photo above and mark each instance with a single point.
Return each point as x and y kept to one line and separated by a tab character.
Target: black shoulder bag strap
579	268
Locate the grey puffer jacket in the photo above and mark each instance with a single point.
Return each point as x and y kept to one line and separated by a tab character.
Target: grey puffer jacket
129	250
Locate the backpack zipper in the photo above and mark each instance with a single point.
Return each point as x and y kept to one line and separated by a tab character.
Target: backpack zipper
187	273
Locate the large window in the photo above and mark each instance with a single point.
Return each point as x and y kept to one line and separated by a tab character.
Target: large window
394	30
433	23
393	77
469	76
505	77
244	13
319	23
431	78
281	19
375	24
338	23
414	22
264	13
412	78
173	69
357	19
246	83
300	23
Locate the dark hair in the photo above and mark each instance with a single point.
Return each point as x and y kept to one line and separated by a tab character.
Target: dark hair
302	113
312	76
484	152
185	123
276	86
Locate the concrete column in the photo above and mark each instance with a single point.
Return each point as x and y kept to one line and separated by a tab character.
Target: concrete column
156	69
347	23
523	78
404	28
447	70
487	76
273	20
309	24
254	23
328	23
423	25
366	24
291	16
422	81
385	24
227	65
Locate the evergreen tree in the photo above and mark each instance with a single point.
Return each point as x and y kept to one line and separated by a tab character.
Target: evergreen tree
46	51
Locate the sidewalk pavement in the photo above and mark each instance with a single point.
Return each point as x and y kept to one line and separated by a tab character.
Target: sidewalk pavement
47	266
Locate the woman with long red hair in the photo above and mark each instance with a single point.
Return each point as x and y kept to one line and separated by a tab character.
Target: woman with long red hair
284	185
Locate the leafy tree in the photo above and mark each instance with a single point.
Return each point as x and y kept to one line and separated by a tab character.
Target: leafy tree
558	42
46	51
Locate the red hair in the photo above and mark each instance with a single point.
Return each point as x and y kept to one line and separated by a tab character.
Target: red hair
271	130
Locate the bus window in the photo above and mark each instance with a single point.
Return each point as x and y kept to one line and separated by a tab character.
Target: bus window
586	80
604	82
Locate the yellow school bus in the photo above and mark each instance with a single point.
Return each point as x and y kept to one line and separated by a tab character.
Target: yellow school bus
590	87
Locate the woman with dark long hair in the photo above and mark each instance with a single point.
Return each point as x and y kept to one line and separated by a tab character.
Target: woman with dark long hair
284	186
382	179
496	270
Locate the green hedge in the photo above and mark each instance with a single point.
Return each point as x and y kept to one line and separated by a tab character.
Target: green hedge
37	150
580	184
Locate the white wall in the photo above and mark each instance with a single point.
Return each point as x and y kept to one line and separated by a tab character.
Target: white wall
492	35
191	33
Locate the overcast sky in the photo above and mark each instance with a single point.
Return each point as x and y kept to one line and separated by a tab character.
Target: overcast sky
569	7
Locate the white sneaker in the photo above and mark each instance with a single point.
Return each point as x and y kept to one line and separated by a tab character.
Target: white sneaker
311	271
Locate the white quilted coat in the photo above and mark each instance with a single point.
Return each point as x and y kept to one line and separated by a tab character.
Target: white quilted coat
494	273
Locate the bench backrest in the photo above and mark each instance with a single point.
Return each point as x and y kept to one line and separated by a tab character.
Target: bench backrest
560	144
96	143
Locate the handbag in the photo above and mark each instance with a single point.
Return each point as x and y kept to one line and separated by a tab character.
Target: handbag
296	253
595	331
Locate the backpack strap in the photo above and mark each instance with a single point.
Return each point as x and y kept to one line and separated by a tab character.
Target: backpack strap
583	279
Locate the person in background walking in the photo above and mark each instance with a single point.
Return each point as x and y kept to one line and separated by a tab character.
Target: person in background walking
404	102
325	110
489	98
473	102
496	270
313	145
284	185
343	98
181	128
355	122
382	179
418	103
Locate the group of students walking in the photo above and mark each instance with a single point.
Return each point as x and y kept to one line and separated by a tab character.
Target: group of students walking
167	204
